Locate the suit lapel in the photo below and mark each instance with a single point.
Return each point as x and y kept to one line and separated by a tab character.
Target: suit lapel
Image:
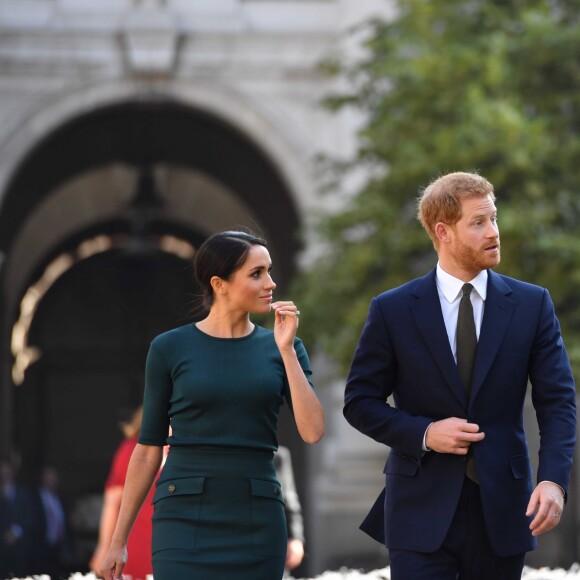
429	320
498	311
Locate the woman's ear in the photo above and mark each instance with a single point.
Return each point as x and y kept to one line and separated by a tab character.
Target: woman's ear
218	285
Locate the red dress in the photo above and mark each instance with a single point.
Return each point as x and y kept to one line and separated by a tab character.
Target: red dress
139	544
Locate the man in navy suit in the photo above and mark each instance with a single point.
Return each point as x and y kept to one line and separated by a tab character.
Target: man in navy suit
459	501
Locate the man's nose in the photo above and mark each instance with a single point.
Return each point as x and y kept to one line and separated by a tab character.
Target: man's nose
492	230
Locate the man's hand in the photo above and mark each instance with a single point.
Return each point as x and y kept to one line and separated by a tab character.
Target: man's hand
452	435
294	553
547	501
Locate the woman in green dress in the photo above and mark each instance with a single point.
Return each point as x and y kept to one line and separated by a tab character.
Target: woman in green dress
219	385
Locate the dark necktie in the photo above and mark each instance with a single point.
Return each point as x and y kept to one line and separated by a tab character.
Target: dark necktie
466	338
466	347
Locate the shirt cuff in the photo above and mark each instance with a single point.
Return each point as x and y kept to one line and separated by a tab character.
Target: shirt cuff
561	488
424	445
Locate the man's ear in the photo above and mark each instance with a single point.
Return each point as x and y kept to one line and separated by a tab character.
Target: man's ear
443	232
218	285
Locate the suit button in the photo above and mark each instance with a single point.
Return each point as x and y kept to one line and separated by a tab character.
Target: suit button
463	458
276	491
171	488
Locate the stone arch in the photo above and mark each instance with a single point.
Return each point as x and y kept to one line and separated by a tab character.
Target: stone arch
227	110
276	137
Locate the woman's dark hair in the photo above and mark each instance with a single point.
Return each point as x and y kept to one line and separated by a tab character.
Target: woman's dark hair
221	255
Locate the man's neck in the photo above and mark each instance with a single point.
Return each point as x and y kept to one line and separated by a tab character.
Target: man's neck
462	274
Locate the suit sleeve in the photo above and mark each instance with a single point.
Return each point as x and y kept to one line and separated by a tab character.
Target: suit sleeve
554	398
372	379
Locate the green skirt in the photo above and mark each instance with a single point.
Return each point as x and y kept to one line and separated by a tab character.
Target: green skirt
219	515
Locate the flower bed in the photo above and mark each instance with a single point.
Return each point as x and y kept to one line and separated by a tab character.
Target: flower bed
384	574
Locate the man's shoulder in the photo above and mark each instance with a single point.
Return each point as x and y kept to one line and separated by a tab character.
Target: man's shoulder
409	288
514	284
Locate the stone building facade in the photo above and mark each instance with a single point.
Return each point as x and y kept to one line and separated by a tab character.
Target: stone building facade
129	131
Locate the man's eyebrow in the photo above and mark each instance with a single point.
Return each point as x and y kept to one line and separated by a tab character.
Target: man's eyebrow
484	213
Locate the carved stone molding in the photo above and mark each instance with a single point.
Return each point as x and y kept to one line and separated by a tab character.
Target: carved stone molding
150	38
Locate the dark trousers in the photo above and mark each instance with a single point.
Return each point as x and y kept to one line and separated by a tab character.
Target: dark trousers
466	553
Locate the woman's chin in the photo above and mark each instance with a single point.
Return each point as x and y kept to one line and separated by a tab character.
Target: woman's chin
261	310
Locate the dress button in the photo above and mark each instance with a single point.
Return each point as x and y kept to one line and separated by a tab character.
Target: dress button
276	491
171	488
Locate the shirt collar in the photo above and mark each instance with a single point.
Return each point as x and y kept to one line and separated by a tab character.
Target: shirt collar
450	286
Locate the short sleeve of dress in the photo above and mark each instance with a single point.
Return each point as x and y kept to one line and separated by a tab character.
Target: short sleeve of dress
304	362
158	387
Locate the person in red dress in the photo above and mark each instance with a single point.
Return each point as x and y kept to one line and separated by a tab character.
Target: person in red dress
139	547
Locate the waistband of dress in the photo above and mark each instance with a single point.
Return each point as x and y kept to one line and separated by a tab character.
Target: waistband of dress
221	449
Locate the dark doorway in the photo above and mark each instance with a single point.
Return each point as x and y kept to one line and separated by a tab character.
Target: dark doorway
93	328
94	325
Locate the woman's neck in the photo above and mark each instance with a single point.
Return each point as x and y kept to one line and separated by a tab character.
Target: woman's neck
224	325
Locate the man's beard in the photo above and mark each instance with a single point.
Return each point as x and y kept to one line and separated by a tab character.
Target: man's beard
472	259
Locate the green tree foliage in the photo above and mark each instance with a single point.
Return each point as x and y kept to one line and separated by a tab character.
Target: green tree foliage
485	85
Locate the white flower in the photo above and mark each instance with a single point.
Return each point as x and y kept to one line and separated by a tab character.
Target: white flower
384	574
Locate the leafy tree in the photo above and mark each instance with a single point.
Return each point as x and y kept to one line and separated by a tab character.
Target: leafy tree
464	85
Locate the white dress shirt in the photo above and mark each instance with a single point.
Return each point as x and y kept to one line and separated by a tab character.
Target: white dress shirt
449	289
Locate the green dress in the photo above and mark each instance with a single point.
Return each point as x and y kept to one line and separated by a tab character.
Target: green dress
219	509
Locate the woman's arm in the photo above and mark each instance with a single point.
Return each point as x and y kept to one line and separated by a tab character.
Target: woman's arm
308	412
143	468
109	514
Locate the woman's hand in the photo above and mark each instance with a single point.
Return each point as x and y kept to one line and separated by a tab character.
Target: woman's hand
114	562
97	558
285	324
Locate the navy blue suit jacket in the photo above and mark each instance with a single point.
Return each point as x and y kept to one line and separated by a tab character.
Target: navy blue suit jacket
404	351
